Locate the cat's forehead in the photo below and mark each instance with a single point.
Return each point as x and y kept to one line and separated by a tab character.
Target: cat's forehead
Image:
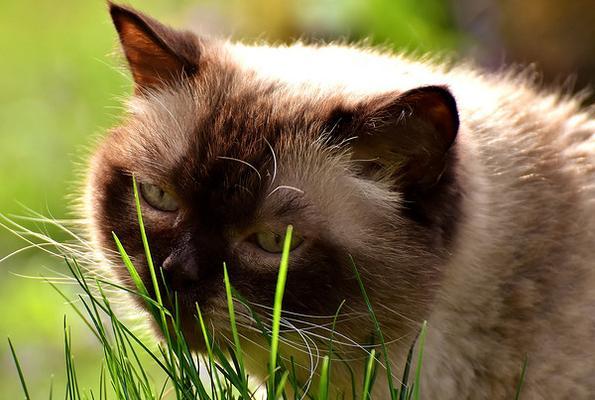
228	127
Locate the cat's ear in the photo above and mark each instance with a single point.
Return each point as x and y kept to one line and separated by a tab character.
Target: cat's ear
406	136
157	55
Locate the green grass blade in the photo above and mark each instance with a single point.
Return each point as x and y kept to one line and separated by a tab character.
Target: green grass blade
405	380
324	379
333	327
19	370
236	337
149	258
145	241
212	370
73	306
389	375
521	379
281	385
102	383
420	351
151	302
293	381
71	377
163	389
280	290
369	374
130	267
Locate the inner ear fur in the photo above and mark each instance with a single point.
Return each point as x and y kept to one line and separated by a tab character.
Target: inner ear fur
406	136
156	54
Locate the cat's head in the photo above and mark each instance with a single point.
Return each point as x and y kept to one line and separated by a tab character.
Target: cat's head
225	158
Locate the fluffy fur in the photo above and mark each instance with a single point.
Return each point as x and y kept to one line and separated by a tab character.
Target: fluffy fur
494	249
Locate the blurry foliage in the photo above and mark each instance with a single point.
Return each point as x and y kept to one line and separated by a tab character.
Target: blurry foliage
405	24
556	37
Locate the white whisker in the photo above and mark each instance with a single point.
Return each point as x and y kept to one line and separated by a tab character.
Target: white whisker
300	191
243	162
274	161
310	316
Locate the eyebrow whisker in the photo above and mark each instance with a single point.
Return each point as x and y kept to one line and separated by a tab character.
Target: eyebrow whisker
243	162
300	191
274	160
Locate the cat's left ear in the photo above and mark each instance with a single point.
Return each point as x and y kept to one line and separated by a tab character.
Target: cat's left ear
157	55
407	135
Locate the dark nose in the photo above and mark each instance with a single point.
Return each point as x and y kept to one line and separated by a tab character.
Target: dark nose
181	264
194	258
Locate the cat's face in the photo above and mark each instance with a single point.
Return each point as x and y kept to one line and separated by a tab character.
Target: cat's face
226	159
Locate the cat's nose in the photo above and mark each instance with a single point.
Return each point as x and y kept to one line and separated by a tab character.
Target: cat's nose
181	265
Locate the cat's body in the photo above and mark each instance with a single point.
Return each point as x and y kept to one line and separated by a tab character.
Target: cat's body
490	237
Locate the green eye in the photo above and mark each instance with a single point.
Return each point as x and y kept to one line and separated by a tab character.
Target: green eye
272	242
158	198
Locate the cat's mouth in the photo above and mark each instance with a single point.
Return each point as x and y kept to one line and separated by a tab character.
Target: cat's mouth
210	320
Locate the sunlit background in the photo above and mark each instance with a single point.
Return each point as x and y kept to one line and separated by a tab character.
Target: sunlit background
61	85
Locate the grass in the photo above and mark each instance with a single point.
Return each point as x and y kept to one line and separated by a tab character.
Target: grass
19	370
220	373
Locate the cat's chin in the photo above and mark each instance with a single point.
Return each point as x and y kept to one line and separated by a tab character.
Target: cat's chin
216	323
192	334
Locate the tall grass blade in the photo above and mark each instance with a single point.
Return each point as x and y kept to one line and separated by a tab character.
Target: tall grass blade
149	258
242	385
138	282
405	380
212	370
19	370
420	352
279	291
324	379
378	332
519	387
281	385
73	306
366	395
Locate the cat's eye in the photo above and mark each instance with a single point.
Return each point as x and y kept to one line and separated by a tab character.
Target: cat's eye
272	242
158	198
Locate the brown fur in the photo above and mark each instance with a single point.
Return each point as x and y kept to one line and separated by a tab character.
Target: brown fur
486	234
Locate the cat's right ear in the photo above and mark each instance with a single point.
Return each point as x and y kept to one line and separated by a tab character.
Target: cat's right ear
157	55
403	136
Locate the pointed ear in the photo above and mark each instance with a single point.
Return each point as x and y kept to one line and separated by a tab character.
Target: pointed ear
404	135
157	55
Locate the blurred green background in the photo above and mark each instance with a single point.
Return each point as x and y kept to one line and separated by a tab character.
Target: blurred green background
61	86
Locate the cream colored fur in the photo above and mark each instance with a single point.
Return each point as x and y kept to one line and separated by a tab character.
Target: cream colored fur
528	170
520	279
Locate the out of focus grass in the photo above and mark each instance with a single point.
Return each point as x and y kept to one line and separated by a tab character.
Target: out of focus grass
59	88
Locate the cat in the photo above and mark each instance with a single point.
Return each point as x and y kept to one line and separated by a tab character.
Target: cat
464	199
